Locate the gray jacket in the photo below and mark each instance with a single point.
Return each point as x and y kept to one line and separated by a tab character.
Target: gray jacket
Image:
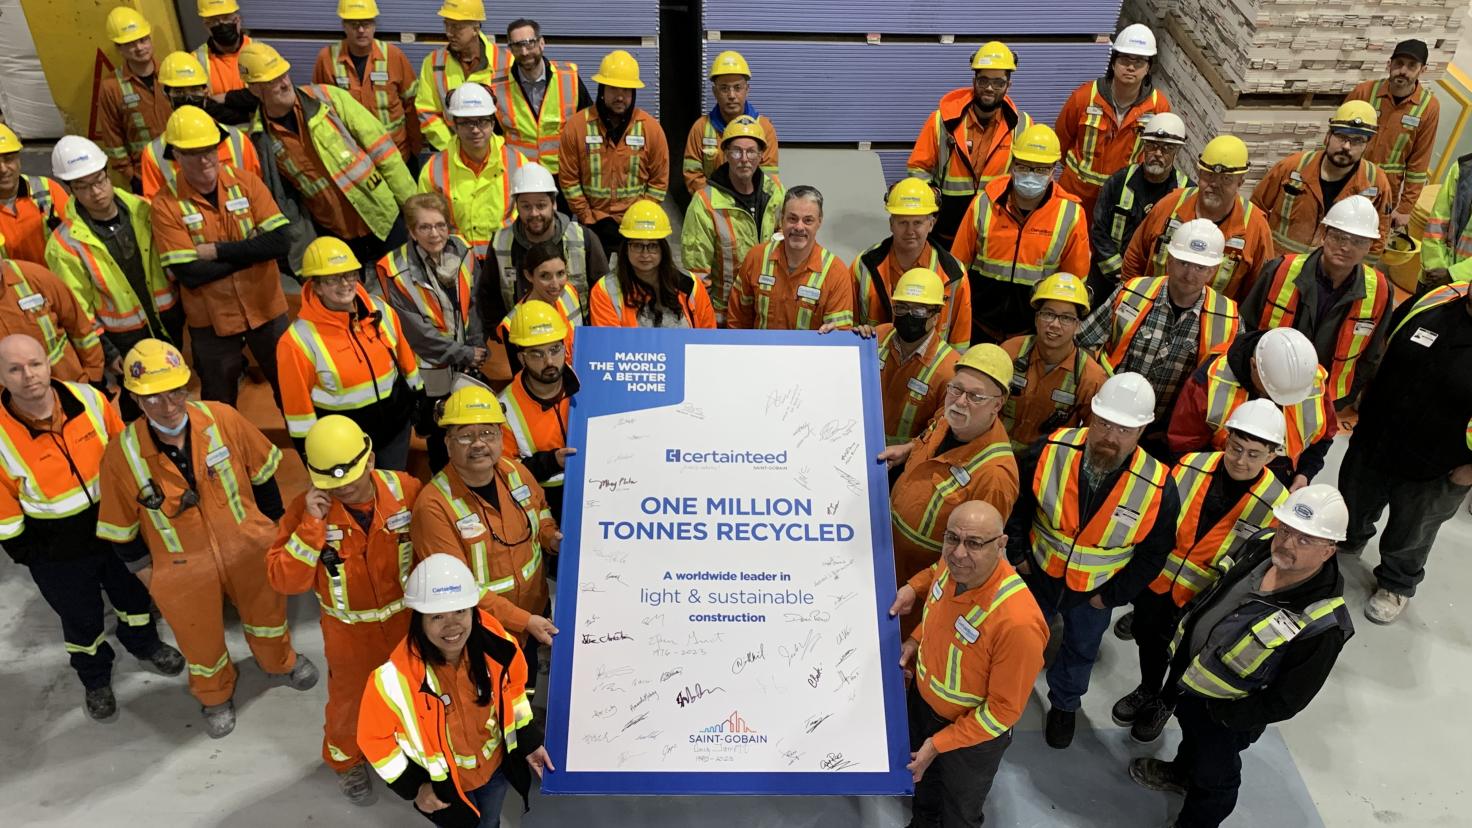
409	283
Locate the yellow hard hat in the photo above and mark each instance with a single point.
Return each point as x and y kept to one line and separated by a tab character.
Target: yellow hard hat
1062	287
534	323
921	286
337	452
214	8
125	25
991	360
645	219
1224	154
471	405
181	69
1399	249
356	10
1355	116
260	63
619	68
911	197
1038	144
190	127
327	256
153	367
464	10
9	141
994	55
744	126
729	63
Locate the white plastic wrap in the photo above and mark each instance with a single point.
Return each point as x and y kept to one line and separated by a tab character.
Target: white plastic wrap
25	98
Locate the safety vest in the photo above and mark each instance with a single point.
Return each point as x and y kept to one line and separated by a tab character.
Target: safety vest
1081	162
1012	264
169	169
1290	195
79	255
203	55
948	686
477	211
922	531
1192	564
1224	392
38	189
1231	251
735	234
53	339
1065	399
574	243
534	428
48	484
137	134
918	387
479	564
424	292
330	392
335	603
445	76
629	314
382	103
1355	331
1249	654
1395	160
807	295
953	182
870	284
236	204
537	135
592	185
1085	557
1216	326
1121	211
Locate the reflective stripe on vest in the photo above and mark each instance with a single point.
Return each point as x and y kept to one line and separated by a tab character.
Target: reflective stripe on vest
592	185
537	135
922	533
138	134
329	393
382	106
425	293
728	253
32	500
1010	268
1216	323
521	428
805	305
1231	254
1224	392
50	337
337	584
1068	390
1355	331
953	184
118	307
1284	224
948	686
478	561
870	284
244	221
1087	556
1192	564
37	187
574	252
394	689
1081	162
443	180
913	398
169	170
1395	160
1121	211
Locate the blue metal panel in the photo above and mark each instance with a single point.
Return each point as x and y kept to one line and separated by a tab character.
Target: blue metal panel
606	18
989	17
855	92
302	54
893	162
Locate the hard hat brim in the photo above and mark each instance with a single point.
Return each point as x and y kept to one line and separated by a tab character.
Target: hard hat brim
1119	418
487	418
1163	139
285	67
909	211
1367	131
1353	231
158	384
1287	518
646	235
133	38
621	84
1034	158
534	341
1196	258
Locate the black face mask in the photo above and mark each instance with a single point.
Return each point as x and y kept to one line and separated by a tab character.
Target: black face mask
910	328
225	34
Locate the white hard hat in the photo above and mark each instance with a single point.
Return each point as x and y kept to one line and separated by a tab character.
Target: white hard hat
1125	399
471	100
532	177
1135	39
1260	418
1355	215
1165	128
1316	510
1198	241
440	583
76	157
1286	365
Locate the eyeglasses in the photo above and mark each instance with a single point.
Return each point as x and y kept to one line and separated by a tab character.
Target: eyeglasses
1236	449
1023	169
973	544
1132	61
524	45
338	280
437	227
743	153
489	436
175	396
151	497
1343	239
1158	148
547	352
1293	537
917	311
482	124
1352	139
1048	317
993	83
729	88
954	390
98	182
643	246
360	24
1100	424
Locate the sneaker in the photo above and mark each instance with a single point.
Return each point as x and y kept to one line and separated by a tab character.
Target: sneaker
1128	708
219	719
1124	628
1385	606
1150	721
1059	730
166	660
303	676
356	784
101	703
1157	775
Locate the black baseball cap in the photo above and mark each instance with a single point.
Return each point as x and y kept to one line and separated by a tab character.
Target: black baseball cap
1411	49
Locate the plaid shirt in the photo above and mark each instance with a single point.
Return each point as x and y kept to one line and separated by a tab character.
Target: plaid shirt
1163	349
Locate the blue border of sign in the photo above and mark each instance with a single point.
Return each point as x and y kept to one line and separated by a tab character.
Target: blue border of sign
598	344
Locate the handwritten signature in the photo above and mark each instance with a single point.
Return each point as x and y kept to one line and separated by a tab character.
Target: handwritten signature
618	635
835	430
807	617
835	761
815	677
813	722
689	696
612	485
800	649
751	657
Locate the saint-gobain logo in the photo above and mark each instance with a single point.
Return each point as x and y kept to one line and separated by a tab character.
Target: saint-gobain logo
734	730
737	458
1303	511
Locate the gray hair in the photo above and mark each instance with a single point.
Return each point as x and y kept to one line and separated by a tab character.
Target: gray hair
804	191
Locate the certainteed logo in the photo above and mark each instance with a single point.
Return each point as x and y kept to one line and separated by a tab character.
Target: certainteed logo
716	457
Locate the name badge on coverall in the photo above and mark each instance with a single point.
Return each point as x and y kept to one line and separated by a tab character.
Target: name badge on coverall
32	302
1424	337
470	527
635	141
217	456
809	293
238	205
397	521
966	631
522	494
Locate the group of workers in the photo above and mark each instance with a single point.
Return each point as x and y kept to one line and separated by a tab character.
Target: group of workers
1106	388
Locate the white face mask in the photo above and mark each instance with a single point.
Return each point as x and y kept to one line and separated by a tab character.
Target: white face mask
1030	184
170	432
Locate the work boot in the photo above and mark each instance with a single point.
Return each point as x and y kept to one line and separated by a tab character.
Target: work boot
101	703
219	719
1124	628
1385	606
1128	708
303	676
1059	729
356	784
166	660
1150	721
1157	775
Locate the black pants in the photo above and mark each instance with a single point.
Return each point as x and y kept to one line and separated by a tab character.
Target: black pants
1210	760
220	360
74	590
1417	511
369	249
607	232
1155	623
953	791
